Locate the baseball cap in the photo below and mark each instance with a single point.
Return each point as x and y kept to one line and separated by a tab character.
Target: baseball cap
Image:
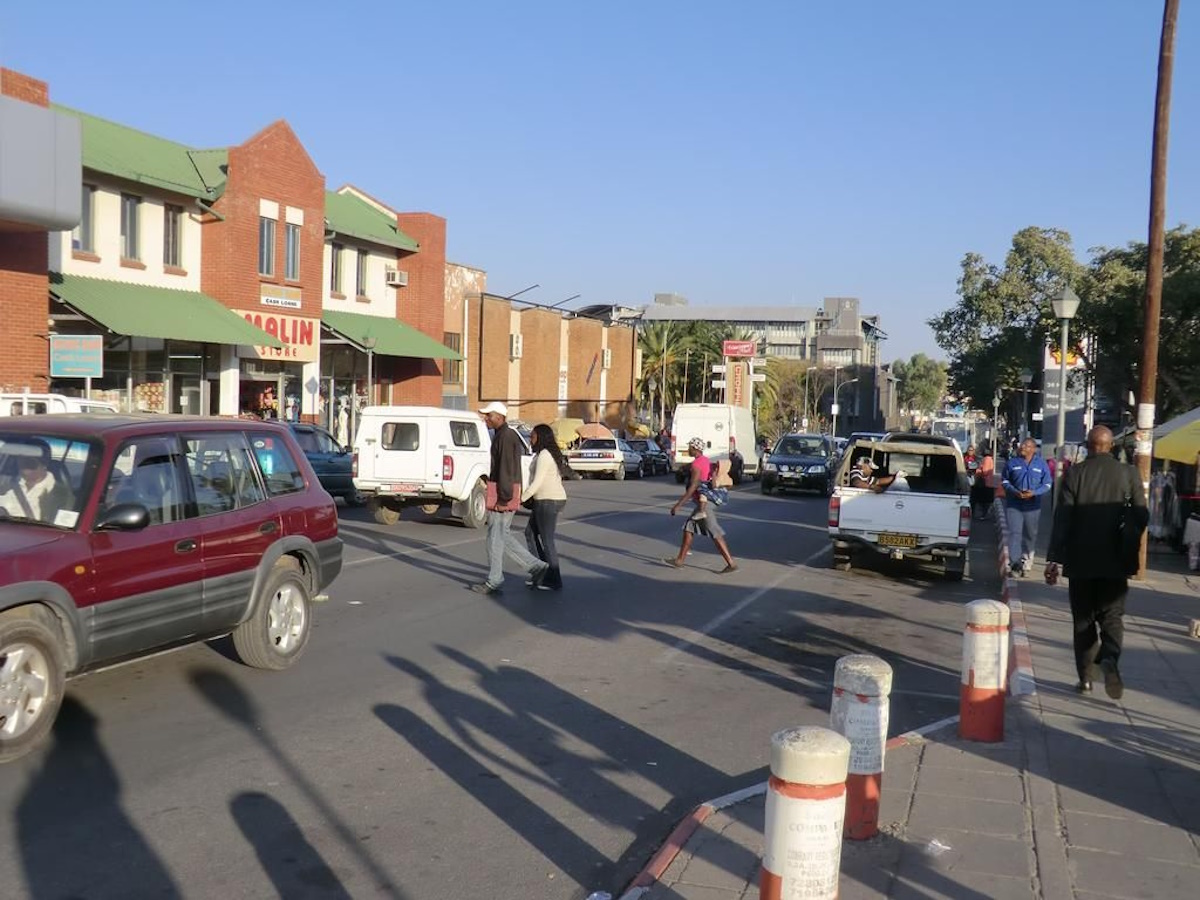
496	407
696	443
870	462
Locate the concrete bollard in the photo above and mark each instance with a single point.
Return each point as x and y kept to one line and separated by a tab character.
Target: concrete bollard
984	672
806	805
859	712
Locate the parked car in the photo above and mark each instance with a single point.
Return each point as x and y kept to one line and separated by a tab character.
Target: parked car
154	531
799	462
332	462
26	404
606	456
425	457
657	461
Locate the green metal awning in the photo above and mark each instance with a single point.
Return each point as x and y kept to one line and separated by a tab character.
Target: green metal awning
140	310
390	337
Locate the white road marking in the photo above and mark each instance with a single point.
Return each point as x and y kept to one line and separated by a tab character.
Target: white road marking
720	620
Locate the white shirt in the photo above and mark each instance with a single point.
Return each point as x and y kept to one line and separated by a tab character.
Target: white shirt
33	493
545	482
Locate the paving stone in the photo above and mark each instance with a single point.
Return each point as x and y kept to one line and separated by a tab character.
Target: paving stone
979	757
719	862
1145	840
1112	798
930	884
971	852
932	815
1125	875
956	782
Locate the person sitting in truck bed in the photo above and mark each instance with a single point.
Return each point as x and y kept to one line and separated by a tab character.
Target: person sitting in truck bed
863	476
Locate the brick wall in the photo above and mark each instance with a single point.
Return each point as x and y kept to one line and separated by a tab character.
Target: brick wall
619	410
24	287
541	331
272	165
583	348
422	304
491	341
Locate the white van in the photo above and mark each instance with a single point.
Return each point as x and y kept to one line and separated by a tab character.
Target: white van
13	404
728	433
425	457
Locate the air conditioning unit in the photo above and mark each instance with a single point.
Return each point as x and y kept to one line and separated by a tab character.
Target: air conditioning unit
606	358
514	346
397	278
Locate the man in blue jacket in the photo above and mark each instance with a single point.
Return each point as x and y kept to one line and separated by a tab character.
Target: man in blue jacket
1026	479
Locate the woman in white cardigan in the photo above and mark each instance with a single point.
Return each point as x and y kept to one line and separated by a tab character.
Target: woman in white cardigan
547	498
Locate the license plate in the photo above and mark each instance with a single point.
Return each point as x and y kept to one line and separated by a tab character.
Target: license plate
907	541
405	488
592	455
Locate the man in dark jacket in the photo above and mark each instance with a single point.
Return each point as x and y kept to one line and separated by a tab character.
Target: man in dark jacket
504	496
1098	525
1026	480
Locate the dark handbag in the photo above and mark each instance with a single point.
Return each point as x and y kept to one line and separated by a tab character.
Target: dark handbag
1132	524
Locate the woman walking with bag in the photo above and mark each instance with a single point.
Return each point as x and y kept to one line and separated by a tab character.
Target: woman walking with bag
546	497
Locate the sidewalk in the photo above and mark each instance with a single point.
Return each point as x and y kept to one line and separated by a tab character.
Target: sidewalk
1085	798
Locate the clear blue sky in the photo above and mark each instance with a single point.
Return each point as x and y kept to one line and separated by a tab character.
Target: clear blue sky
765	152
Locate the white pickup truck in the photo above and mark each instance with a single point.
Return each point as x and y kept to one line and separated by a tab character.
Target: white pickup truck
924	514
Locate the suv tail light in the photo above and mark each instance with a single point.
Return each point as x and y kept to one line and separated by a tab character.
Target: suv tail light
354	464
447	468
835	511
964	521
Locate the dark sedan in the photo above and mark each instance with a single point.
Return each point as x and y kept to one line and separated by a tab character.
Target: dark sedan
657	461
331	462
799	462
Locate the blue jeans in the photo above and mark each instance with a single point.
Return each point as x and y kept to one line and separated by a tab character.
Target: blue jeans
501	540
1022	533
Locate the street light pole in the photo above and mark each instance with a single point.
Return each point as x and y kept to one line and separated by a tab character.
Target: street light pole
1026	380
996	424
834	405
369	346
1065	306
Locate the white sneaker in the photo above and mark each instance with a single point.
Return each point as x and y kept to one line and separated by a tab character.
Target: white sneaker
1026	564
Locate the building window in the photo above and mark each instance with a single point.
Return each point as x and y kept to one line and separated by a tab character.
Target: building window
81	237
335	268
172	225
130	206
360	274
266	246
452	368
291	252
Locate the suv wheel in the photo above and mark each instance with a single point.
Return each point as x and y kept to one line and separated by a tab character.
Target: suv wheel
275	634
31	678
384	514
476	513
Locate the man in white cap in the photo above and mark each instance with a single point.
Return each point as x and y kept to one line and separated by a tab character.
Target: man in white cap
504	496
863	476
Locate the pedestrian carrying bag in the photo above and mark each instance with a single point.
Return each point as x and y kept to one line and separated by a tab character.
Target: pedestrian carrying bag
492	497
1131	526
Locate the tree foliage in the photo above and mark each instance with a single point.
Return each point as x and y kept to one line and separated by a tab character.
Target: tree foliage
921	383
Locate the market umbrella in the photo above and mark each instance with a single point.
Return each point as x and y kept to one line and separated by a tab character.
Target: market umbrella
593	430
564	431
637	429
1179	439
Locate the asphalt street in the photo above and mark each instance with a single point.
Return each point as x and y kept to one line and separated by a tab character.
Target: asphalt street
433	743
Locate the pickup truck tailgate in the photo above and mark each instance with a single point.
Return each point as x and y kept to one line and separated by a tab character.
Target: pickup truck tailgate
923	515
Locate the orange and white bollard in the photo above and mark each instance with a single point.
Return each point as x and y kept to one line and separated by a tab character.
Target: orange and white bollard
984	672
859	712
806	805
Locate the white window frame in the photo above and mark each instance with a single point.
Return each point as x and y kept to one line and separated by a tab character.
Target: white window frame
266	242
83	236
291	251
173	235
361	261
335	268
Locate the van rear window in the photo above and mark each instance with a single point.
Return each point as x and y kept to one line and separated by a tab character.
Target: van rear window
401	436
465	434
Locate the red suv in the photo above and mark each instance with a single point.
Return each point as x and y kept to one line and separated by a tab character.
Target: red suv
123	535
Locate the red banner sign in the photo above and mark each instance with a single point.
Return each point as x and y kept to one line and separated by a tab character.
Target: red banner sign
300	335
738	348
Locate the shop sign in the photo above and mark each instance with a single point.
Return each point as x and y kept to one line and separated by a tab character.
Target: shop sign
738	393
76	356
738	348
299	334
280	297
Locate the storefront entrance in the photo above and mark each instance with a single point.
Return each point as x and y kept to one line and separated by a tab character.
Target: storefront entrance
270	389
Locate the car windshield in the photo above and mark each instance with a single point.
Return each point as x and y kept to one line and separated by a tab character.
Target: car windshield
44	480
644	446
800	446
599	444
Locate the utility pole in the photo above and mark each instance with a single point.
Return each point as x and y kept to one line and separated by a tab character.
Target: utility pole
1144	430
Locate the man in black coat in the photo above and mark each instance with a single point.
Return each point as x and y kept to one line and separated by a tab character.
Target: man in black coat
1098	525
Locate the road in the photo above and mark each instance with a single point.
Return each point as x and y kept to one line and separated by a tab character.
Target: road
433	743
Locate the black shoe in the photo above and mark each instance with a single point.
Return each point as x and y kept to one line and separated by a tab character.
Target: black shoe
1084	687
535	577
486	589
1113	685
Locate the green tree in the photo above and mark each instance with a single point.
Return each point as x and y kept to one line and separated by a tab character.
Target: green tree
921	383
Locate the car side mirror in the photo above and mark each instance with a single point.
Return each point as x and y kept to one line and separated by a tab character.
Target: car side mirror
124	517
347	449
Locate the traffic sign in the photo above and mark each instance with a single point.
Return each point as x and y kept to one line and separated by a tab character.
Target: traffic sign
718	370
719	383
758	376
759	361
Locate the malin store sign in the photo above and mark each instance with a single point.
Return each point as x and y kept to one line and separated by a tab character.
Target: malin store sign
298	334
76	356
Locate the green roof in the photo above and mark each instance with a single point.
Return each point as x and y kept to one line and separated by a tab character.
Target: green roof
391	337
147	159
143	311
352	217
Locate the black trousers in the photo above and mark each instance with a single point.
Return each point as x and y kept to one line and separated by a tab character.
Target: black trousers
539	535
1097	604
